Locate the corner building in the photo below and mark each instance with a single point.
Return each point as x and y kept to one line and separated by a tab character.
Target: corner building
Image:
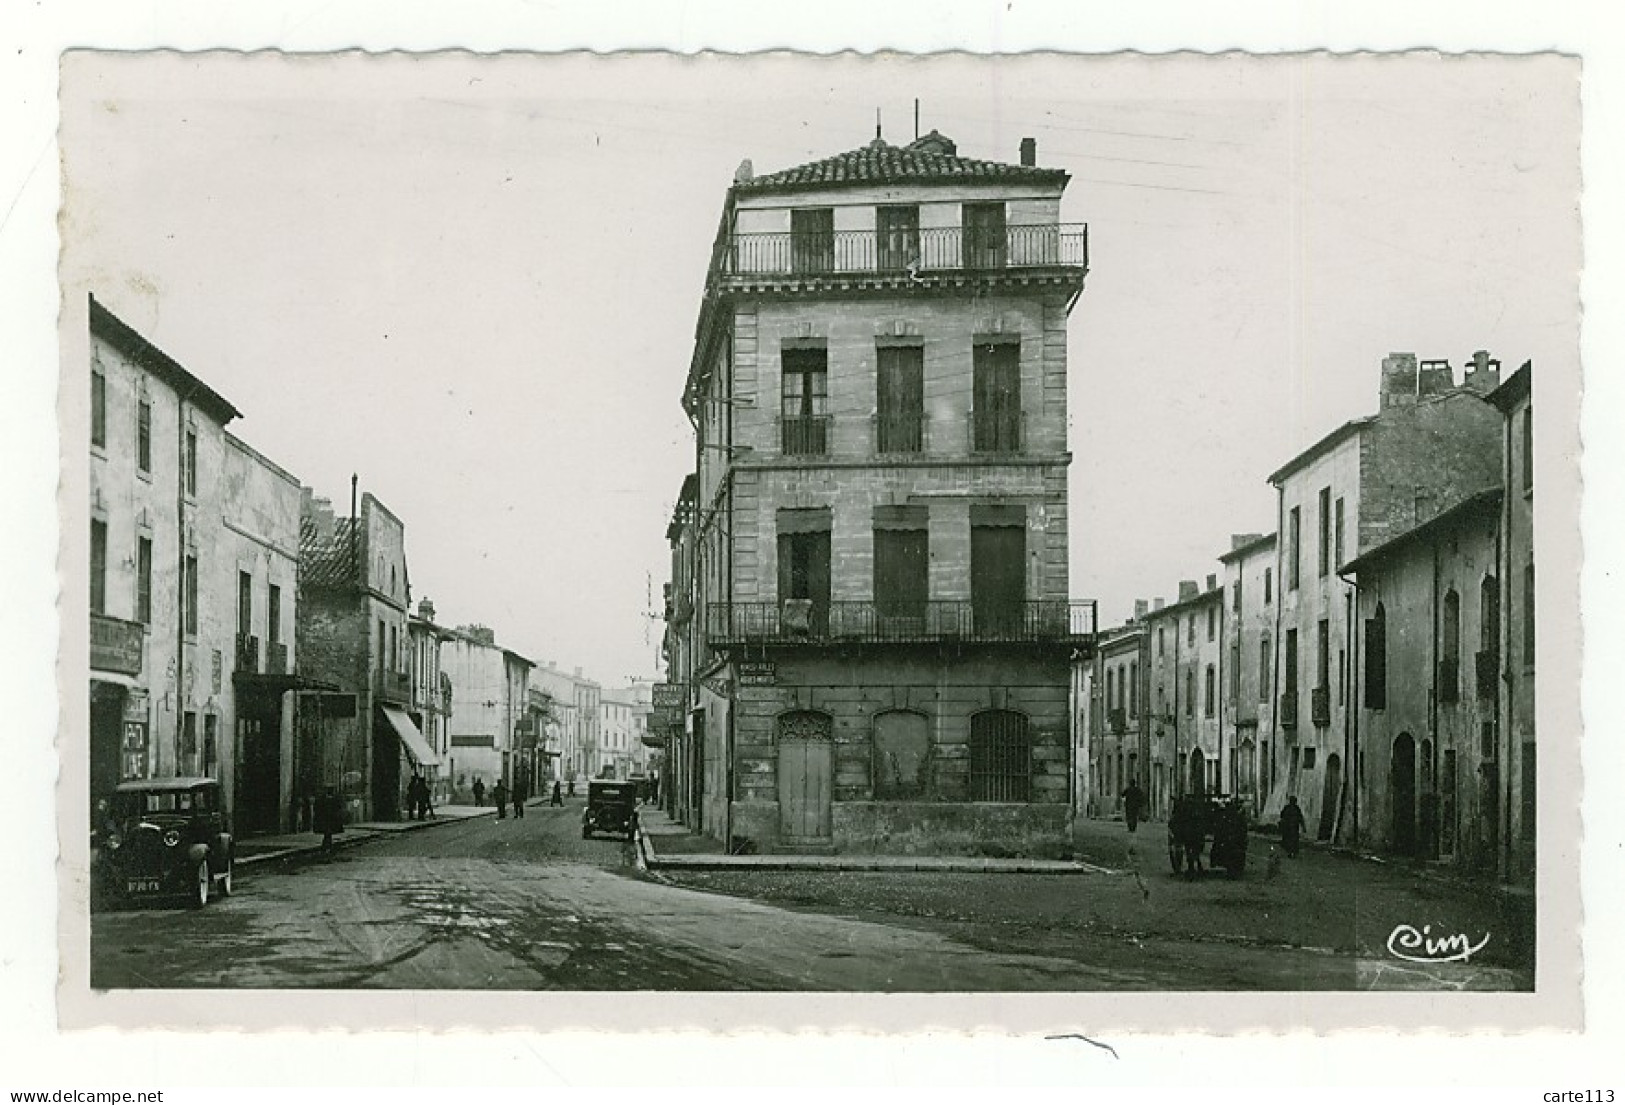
878	387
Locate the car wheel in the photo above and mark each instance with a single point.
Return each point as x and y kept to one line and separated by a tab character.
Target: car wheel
586	834
225	880
201	893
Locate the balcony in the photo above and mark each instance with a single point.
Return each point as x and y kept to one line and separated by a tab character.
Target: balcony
804	437
1289	710
912	255
1449	681
276	658
900	433
248	654
999	430
857	622
1320	706
395	686
1117	720
1487	668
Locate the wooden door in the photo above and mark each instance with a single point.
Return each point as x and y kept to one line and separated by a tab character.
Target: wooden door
1402	794
805	767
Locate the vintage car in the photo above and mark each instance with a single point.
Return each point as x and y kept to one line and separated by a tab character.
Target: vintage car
165	838
612	807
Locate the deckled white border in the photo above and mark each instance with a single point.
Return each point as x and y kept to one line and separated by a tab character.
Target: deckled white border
29	803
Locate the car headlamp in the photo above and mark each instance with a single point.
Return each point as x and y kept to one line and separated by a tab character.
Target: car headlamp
172	838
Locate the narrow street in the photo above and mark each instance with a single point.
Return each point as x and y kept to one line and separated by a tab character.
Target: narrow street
528	904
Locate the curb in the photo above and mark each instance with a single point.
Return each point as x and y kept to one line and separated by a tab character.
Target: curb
650	859
353	838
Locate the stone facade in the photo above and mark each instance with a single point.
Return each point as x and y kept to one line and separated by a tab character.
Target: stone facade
490	708
1248	656
1121	750
879	391
1518	751
162	591
1185	650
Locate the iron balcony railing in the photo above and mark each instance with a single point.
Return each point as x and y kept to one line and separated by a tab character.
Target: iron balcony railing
1289	710
394	685
900	433
248	654
906	252
276	658
805	436
866	621
1117	720
998	430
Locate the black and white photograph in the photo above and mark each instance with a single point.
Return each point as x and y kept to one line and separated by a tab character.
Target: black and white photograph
900	525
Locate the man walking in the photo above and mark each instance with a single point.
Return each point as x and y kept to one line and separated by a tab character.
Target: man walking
558	795
499	796
1291	826
1133	804
521	791
329	817
479	791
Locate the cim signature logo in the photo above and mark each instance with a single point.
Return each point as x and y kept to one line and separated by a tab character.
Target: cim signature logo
1407	943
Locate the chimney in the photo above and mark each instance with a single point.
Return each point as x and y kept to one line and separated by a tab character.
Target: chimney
1237	540
1434	378
1484	374
745	172
1140	606
1187	589
1029	152
578	673
1398	385
1212	581
1157	603
426	609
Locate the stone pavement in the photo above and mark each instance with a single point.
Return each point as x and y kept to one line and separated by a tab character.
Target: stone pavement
264	849
670	846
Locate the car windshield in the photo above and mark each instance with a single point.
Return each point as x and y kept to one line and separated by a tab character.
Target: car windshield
163	801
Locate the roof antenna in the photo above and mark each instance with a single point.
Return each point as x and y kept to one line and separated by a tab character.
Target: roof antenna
916	118
877	124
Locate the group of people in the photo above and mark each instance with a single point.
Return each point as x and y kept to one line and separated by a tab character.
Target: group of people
419	807
502	796
1291	821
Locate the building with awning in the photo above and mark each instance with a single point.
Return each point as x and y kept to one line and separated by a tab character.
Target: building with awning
412	739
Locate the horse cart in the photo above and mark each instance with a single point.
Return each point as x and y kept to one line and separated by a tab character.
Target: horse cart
1198	821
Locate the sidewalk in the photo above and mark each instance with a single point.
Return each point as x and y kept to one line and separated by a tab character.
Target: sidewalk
667	845
264	849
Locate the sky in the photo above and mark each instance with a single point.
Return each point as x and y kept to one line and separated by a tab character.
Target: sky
474	281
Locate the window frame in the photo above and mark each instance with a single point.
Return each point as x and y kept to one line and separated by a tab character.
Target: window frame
98	408
98	566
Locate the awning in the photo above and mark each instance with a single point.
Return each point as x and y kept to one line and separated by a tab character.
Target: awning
416	746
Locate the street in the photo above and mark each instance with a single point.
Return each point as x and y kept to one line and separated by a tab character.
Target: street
528	904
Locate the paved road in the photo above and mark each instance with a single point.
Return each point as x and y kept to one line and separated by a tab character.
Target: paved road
528	905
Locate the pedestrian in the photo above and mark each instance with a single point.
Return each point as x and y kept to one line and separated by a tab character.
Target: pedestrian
1133	804
479	791
328	817
1291	826
499	796
654	790
558	794
572	786
521	791
417	797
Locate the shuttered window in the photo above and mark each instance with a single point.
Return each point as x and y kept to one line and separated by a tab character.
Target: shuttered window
900	399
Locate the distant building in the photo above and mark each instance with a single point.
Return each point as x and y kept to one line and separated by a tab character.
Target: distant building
1121	750
1183	645
431	694
490	708
1429	608
353	636
876	540
1247	663
1430	446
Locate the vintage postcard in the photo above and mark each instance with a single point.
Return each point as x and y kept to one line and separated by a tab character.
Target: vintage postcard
1040	535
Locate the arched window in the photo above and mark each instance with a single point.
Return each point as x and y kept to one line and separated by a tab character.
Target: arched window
902	751
1000	757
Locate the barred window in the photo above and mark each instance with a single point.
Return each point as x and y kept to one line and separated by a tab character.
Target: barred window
1000	757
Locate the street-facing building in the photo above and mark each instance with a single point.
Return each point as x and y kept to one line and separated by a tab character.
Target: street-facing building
879	392
1247	661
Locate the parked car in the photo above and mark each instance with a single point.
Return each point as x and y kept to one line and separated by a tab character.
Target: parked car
165	838
612	807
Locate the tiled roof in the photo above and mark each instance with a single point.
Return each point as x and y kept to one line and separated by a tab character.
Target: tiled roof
325	562
879	162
